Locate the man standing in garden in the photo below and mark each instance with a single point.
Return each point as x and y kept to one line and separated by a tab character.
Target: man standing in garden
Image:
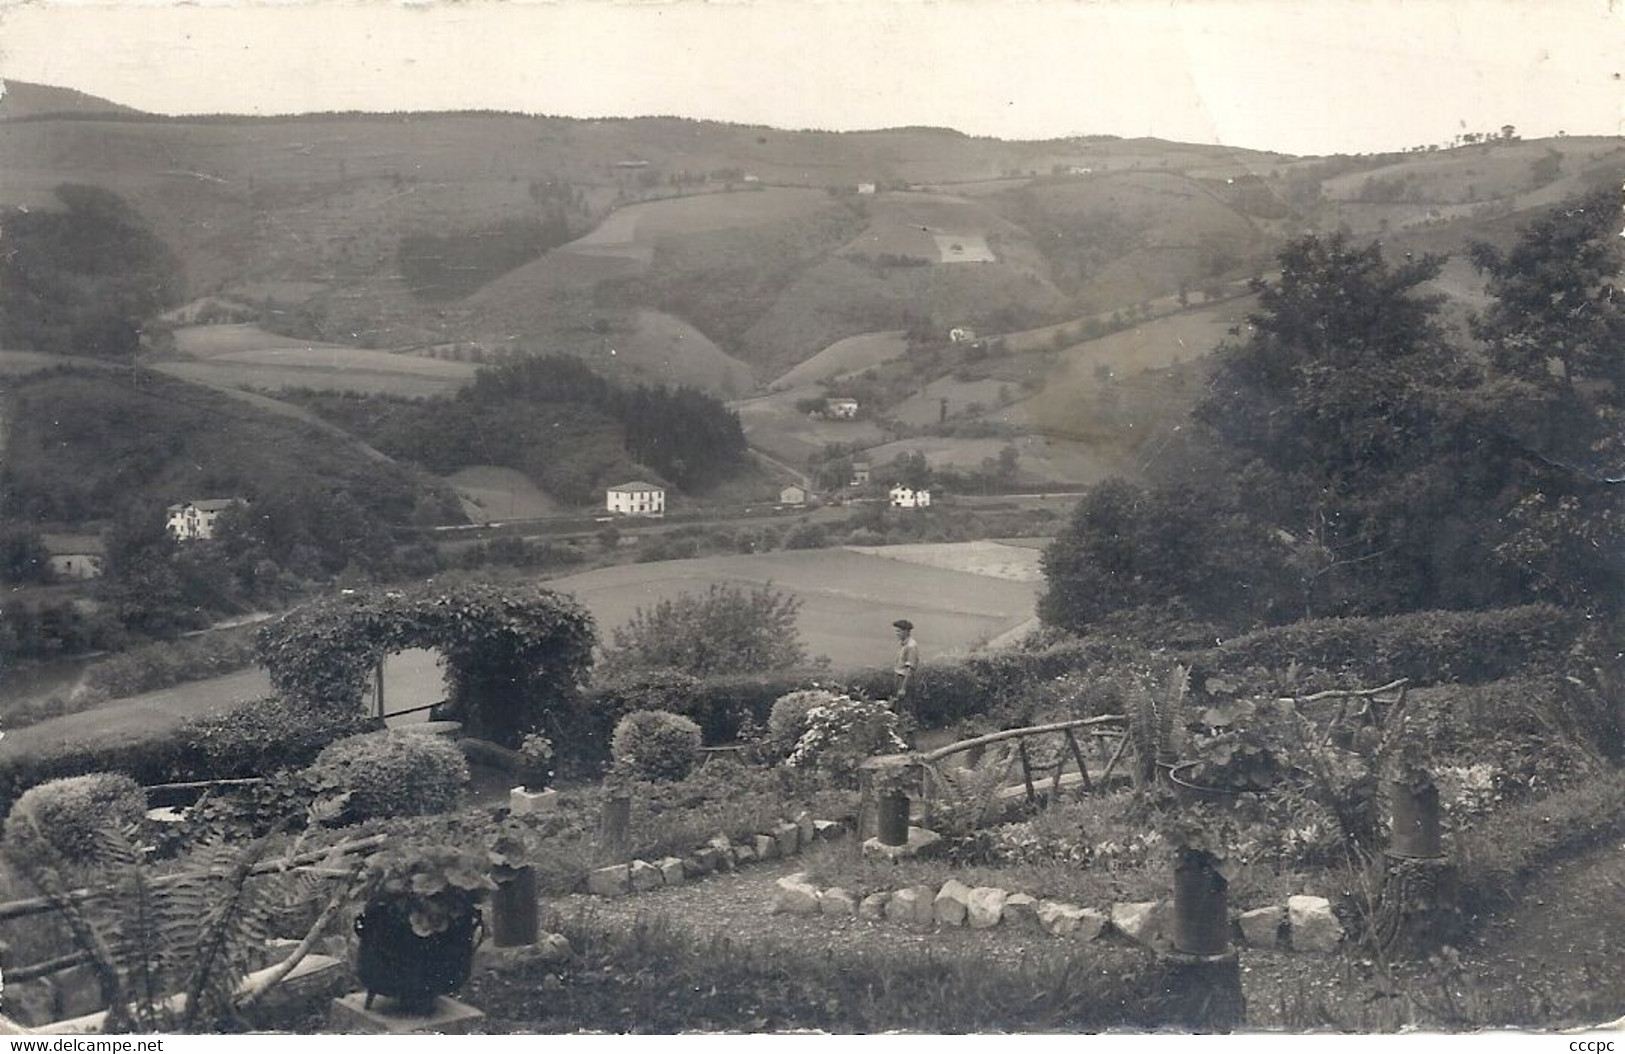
908	660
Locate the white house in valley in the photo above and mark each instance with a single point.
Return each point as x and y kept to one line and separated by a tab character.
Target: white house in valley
637	498
904	498
194	520
844	408
794	495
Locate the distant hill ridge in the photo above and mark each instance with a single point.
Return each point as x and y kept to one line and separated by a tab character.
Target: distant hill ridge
22	100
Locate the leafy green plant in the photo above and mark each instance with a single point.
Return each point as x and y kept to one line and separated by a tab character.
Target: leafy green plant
433	886
537	750
1238	746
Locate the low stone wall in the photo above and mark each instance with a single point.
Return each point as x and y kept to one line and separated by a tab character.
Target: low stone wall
719	854
1304	924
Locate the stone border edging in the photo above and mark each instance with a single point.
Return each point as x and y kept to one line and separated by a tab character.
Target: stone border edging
719	854
1304	924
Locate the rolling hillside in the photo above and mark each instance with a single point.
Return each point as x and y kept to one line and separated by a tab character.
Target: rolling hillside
672	251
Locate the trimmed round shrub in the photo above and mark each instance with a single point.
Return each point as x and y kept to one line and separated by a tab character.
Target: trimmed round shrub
392	774
656	745
70	814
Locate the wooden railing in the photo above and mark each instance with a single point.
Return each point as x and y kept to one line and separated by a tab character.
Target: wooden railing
1103	727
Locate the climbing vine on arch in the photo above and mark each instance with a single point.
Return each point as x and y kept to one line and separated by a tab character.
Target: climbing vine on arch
515	656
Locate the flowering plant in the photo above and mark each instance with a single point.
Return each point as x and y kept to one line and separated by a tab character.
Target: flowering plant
841	733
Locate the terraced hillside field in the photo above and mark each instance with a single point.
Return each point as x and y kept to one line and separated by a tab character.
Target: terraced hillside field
245	356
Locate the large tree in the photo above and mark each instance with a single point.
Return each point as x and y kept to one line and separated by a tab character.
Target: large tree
1555	333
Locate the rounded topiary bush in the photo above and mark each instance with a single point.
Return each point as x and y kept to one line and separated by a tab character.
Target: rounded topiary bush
70	814
656	745
392	774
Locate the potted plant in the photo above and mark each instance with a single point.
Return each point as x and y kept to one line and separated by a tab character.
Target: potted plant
1413	801
513	903
419	923
1202	873
534	795
1237	752
887	780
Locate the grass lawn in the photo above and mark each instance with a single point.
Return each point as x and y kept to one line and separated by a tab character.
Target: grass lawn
848	598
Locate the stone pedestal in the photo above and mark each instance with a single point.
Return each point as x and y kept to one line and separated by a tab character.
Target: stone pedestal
522	802
921	842
350	1015
1201	993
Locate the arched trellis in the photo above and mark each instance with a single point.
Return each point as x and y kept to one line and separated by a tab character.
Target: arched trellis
513	654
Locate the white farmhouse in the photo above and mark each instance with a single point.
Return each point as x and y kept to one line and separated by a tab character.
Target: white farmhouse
904	498
961	335
793	495
842	408
867	188
637	498
195	520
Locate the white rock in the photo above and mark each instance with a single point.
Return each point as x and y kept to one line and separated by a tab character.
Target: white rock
952	903
724	850
1021	910
1261	927
925	911
828	830
985	907
873	906
837	901
610	881
1313	926
554	948
767	847
903	905
1068	920
804	823
646	877
1142	921
671	869
794	895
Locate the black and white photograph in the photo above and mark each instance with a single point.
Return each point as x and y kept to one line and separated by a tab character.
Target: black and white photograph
847	517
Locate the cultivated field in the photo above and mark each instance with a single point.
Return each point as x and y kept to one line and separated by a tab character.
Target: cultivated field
245	356
1017	563
499	494
773	425
1041	457
849	598
852	355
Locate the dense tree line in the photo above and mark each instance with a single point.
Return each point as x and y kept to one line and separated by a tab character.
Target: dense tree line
82	280
1356	460
565	426
449	266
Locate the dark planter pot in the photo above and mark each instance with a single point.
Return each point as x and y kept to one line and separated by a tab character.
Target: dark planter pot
1201	909
393	961
1417	834
893	818
514	920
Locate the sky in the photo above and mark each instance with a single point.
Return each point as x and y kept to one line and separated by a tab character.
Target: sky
1299	76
